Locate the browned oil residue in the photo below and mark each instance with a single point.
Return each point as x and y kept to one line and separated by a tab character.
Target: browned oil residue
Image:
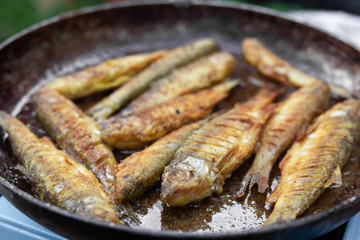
220	212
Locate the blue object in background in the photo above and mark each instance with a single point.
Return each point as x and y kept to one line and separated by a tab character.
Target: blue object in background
352	231
15	225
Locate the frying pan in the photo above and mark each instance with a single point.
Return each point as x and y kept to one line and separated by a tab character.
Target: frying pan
81	38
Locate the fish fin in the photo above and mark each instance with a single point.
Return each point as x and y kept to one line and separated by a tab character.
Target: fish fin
47	141
274	195
315	124
270	109
284	160
127	210
263	183
335	178
244	184
339	91
3	116
252	177
25	172
277	217
318	112
302	132
268	95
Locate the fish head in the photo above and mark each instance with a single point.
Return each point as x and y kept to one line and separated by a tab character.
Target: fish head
189	179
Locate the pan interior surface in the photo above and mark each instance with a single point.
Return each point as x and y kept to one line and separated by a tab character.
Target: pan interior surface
82	40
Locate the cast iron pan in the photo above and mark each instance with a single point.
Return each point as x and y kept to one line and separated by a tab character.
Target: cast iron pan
78	39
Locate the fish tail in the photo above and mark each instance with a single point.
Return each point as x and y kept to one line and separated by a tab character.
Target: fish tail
244	184
259	178
274	195
252	177
262	182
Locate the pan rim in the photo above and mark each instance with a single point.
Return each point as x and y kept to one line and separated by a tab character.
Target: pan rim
165	233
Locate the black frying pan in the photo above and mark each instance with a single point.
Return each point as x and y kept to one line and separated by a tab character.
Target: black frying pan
78	39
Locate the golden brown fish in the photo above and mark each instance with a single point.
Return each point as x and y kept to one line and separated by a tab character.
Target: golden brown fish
78	135
142	170
313	163
55	176
210	155
201	74
270	65
288	120
139	83
109	74
139	129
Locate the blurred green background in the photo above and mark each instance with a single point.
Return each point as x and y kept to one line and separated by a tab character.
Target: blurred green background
16	15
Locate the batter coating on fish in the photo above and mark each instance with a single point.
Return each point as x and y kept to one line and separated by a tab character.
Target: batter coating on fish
109	74
77	134
139	83
210	155
287	121
272	66
56	177
313	163
139	129
142	170
198	75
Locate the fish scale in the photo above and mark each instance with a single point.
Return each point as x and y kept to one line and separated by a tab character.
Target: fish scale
103	76
198	75
77	134
140	82
207	160
139	129
55	176
287	121
309	166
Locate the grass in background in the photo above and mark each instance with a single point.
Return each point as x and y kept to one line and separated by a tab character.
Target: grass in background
15	15
276	5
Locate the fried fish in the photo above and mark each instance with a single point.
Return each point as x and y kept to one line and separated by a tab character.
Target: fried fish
142	170
198	75
139	129
314	162
272	66
77	134
55	176
210	155
287	121
109	74
139	83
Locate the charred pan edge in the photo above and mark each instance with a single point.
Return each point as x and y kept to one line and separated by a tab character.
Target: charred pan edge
10	190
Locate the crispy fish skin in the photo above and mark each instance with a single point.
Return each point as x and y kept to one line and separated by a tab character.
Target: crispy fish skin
139	83
109	74
198	75
210	155
289	118
142	170
56	177
313	163
139	129
78	135
272	66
